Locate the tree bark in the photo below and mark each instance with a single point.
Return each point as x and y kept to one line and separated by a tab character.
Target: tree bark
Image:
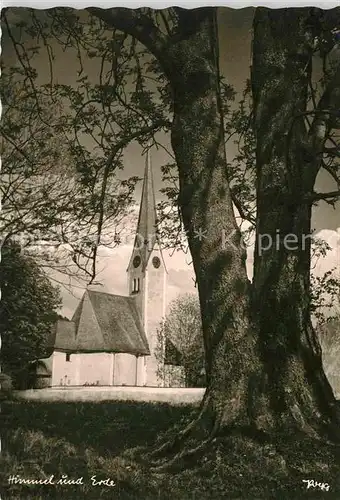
262	369
206	207
295	391
190	60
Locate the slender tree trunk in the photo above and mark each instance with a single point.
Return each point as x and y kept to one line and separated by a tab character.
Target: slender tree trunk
294	390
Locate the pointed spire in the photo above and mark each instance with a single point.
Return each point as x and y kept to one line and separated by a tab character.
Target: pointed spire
146	228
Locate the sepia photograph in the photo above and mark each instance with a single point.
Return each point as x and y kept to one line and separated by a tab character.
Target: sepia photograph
170	253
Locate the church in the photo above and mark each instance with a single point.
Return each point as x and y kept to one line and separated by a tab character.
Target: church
112	340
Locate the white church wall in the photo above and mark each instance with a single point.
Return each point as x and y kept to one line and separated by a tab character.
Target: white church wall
64	372
152	379
124	369
147	282
155	279
95	368
141	373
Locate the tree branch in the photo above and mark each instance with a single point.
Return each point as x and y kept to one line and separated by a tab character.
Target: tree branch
243	214
328	110
334	152
325	196
135	23
111	166
332	172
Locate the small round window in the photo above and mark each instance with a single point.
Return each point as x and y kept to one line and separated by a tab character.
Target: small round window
156	262
136	261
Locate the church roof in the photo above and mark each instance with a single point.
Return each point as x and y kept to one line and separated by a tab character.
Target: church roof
103	322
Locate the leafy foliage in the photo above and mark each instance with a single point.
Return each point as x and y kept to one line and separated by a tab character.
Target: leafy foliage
62	182
325	289
27	311
95	120
183	327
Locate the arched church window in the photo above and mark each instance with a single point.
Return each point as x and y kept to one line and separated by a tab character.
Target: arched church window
136	285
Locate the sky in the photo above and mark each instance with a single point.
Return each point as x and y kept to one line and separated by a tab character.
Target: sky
235	32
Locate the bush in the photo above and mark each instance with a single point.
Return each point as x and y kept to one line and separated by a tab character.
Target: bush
5	385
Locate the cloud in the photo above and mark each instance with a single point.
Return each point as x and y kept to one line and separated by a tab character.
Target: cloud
113	262
112	265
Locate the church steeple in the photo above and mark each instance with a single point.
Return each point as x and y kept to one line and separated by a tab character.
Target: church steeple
147	277
146	233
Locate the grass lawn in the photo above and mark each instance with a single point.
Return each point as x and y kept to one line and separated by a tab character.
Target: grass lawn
81	440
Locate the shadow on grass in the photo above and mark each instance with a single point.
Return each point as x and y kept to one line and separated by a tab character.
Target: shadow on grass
106	427
86	439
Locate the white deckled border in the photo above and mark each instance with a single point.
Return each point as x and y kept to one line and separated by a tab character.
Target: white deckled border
162	4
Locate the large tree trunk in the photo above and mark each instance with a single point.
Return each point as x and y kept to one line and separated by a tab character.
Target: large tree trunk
190	60
265	368
214	239
294	391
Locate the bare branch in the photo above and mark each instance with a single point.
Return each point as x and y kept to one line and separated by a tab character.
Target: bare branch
332	172
334	152
135	23
327	113
334	195
244	214
165	21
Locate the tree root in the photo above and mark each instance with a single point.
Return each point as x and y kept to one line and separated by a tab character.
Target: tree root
175	443
186	452
194	438
176	449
